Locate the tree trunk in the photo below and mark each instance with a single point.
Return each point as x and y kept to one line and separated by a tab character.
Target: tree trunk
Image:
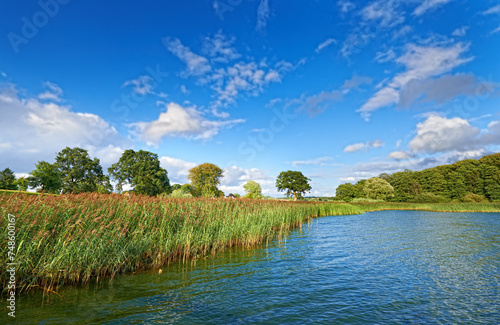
294	196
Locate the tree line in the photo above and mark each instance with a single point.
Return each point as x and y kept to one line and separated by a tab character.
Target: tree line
74	171
467	180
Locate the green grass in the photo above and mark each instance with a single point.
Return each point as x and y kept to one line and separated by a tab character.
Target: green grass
71	239
10	192
439	207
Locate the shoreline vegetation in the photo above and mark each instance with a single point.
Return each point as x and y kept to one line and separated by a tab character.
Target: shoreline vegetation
72	239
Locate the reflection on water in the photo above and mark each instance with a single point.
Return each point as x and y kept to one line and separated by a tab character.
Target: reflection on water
380	267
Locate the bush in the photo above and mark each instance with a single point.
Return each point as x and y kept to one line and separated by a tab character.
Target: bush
471	198
365	200
180	194
429	198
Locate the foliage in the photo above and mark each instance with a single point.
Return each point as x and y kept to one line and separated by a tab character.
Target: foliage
79	173
378	189
426	197
180	194
70	239
365	200
294	183
140	169
22	183
471	198
7	180
439	184
204	178
47	177
253	189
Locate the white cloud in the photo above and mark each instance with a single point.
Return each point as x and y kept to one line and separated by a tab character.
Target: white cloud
177	169
34	130
364	146
428	5
318	103
400	155
460	32
179	121
235	177
220	48
385	56
492	10
327	42
355	82
421	62
143	85
184	90
196	64
384	12
440	134
496	30
53	92
263	12
401	32
322	161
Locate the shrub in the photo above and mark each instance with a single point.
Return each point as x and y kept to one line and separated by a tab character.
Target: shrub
471	197
180	194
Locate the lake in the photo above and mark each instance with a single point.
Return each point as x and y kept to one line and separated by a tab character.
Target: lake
391	267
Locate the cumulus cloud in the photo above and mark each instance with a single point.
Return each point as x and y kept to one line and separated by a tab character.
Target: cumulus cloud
177	169
324	44
179	121
441	134
235	177
33	130
364	146
428	5
421	62
400	155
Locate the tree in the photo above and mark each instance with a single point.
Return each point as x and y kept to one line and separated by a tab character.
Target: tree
253	189
22	183
294	183
7	180
345	192
79	172
378	189
140	169
47	176
204	178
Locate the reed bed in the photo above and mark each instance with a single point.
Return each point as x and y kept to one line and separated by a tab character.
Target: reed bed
437	207
71	239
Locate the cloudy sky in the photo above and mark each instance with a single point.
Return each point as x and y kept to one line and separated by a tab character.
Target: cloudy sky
340	90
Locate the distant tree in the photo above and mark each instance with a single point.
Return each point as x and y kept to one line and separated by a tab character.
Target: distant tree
358	189
189	189
79	172
140	169
175	187
47	177
236	195
7	179
180	194
491	176
294	183
456	185
378	189
22	183
345	192
253	189
204	178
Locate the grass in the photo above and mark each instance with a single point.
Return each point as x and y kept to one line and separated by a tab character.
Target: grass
10	192
71	239
438	207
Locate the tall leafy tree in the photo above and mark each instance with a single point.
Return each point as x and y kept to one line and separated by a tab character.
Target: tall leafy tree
140	169
7	179
22	183
378	188
253	189
345	192
205	178
46	176
491	176
293	183
79	172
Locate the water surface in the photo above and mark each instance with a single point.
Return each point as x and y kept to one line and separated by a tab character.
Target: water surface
391	267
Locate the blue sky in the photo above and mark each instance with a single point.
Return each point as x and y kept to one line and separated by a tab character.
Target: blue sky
340	90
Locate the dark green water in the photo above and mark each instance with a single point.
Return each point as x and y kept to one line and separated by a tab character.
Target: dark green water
391	267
